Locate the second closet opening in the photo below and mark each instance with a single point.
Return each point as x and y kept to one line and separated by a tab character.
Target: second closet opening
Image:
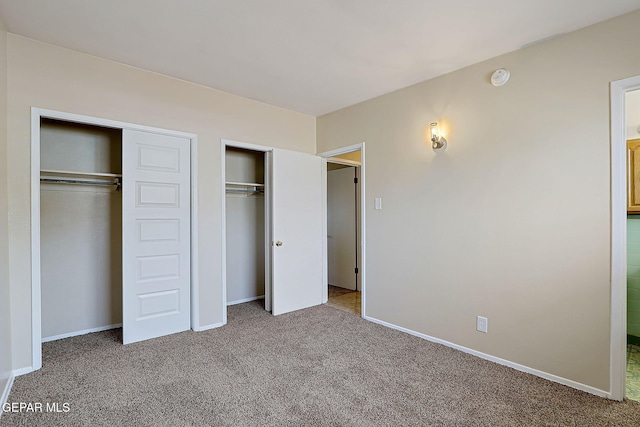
245	225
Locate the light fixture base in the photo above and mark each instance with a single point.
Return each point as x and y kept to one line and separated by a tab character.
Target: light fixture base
439	144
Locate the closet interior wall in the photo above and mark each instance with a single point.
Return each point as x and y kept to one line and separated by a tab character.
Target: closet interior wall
245	225
81	229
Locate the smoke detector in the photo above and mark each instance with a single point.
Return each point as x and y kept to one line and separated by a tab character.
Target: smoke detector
500	76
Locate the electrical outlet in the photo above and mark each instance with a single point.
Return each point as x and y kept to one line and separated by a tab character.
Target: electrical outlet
482	324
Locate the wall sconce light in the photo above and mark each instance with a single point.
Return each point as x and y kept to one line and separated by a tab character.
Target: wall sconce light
437	140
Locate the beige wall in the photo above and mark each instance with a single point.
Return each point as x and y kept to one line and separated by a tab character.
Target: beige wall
45	76
5	308
512	221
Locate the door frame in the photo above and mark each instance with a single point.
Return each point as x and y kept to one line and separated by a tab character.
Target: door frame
224	143
363	247
36	314
618	338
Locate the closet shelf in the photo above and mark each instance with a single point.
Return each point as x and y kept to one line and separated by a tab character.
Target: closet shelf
78	173
244	184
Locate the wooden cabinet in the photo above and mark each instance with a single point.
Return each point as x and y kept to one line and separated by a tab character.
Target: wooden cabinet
633	176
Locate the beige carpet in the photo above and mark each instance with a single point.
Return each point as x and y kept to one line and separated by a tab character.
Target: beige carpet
314	367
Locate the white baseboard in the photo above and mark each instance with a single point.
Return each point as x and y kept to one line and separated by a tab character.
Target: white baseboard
83	332
517	366
343	287
22	371
207	327
5	389
240	301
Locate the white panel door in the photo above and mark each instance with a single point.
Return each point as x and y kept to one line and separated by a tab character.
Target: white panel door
156	262
297	231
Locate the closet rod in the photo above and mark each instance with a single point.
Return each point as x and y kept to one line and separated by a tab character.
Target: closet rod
78	181
238	190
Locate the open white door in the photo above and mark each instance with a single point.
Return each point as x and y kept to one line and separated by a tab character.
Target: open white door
156	235
297	232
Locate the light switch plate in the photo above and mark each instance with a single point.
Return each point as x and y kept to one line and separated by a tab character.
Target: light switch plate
378	203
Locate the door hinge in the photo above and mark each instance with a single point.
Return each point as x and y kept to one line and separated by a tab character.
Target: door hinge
356	270
355	180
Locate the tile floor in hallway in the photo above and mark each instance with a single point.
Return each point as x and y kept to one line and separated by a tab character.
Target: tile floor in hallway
633	372
345	299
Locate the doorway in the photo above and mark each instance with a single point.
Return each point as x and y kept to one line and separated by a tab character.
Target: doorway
632	136
293	225
246	227
345	255
618	345
342	234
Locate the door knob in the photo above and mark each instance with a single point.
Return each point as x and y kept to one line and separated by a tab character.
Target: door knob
278	243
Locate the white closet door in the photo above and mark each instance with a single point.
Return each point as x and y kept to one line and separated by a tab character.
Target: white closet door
156	235
297	231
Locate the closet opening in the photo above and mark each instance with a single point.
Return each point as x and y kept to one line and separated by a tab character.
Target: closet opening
344	278
274	233
113	230
246	227
80	228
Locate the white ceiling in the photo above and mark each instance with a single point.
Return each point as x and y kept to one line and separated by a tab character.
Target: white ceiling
311	56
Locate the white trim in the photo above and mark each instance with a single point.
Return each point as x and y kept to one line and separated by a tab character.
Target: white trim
211	326
339	161
195	265
6	389
617	372
325	230
23	371
245	145
498	360
78	118
83	332
342	150
36	304
224	143
268	230
223	228
242	301
363	235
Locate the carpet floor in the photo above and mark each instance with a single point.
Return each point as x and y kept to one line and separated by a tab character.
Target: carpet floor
313	367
